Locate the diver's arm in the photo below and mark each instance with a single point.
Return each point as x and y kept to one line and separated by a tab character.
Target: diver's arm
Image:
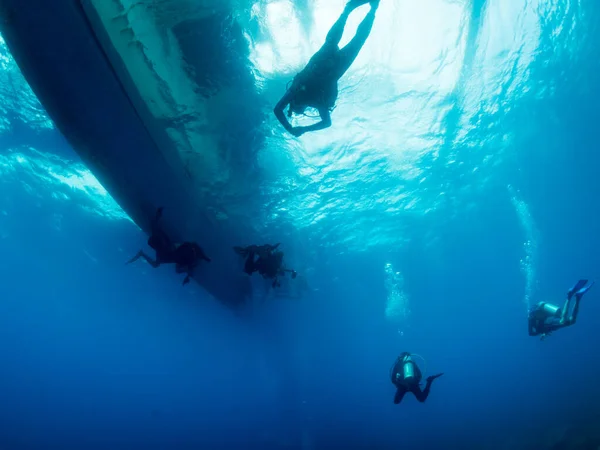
278	110
324	123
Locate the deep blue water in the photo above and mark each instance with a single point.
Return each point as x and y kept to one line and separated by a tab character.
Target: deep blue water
492	208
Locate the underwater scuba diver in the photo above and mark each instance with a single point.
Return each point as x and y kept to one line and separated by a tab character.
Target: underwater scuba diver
185	256
251	252
266	260
546	318
406	376
316	85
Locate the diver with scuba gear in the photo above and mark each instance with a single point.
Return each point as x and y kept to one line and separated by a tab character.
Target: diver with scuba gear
185	256
266	260
251	252
546	318
406	376
316	85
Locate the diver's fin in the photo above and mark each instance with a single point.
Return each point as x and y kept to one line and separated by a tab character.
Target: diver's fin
578	287
137	256
583	290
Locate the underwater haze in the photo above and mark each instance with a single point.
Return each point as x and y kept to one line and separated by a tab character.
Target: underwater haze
457	187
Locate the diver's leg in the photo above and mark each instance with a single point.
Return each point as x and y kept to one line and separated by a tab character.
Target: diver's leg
349	53
400	392
199	253
422	395
571	320
137	256
152	262
202	255
334	36
564	313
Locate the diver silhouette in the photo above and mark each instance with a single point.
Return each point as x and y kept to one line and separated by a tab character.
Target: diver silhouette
316	85
185	256
546	318
406	376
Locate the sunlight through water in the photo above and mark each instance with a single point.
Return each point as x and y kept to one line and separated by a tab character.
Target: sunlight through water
426	96
420	122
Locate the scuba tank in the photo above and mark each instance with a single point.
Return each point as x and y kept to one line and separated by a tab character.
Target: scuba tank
550	310
408	370
405	370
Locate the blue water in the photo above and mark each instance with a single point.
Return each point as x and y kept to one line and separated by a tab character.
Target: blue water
457	186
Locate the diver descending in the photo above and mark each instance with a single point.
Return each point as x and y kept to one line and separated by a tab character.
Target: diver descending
186	256
546	318
316	85
266	260
406	376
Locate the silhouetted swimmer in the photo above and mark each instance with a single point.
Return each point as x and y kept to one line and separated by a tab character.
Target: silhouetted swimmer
266	260
251	252
546	318
406	376
316	85
185	256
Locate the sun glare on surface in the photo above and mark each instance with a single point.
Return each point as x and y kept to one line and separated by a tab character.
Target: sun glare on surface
412	69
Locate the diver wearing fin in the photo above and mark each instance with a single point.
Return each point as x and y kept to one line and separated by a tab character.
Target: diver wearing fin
546	318
316	85
185	256
266	260
406	376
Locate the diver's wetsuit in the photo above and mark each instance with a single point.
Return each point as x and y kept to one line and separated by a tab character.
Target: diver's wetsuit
545	318
317	84
271	265
403	386
539	324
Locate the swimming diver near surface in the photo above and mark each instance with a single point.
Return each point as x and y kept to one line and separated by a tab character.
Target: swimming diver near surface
316	85
546	318
185	256
406	376
266	260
